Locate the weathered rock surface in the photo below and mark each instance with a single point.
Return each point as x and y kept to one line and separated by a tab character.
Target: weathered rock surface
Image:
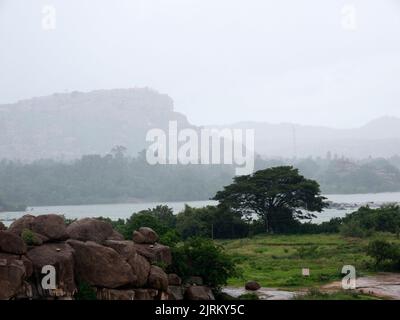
88	251
22	223
116	236
156	253
174	280
145	235
12	274
141	269
51	226
101	266
125	248
89	229
199	293
61	257
145	294
112	294
11	243
2	226
158	279
175	292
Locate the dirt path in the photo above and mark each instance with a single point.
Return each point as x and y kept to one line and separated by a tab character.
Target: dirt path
385	285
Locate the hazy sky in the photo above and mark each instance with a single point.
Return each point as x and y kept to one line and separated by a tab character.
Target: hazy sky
222	61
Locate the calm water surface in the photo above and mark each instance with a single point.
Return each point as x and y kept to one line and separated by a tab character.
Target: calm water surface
125	210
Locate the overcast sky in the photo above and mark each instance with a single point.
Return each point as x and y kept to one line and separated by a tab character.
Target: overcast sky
222	61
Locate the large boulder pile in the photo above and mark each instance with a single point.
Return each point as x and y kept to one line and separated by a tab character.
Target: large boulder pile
87	255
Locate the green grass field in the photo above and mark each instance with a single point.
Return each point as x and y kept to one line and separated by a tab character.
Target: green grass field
277	260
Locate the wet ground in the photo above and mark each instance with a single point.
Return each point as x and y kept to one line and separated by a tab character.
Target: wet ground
263	293
384	285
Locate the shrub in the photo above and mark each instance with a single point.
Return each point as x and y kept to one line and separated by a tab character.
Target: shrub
161	219
211	222
383	252
30	238
366	221
171	238
202	257
308	252
85	292
353	228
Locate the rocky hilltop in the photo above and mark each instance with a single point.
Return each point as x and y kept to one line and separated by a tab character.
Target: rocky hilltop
87	255
69	125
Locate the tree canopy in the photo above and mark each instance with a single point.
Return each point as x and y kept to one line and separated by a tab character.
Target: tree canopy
278	196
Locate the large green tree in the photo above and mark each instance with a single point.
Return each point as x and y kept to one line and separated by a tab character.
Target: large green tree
278	196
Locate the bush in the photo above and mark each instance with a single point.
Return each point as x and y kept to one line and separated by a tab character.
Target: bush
30	238
211	222
161	219
366	221
383	252
85	292
308	252
171	238
202	257
353	228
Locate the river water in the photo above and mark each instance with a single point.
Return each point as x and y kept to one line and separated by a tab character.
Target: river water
125	210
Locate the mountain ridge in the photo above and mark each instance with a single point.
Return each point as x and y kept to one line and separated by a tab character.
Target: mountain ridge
69	125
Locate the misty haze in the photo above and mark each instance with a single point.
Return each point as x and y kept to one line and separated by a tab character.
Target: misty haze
90	169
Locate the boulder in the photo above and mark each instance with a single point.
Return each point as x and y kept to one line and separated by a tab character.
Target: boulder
22	223
155	253
145	235
158	279
125	248
48	227
35	239
174	280
116	236
112	294
51	226
145	294
12	275
28	266
61	257
101	266
11	243
252	286
141	269
175	292
2	227
199	293
137	237
90	229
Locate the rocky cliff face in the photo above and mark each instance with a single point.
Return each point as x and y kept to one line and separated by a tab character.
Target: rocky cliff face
88	252
67	126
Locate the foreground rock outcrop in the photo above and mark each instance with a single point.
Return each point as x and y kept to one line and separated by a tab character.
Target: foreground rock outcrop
89	259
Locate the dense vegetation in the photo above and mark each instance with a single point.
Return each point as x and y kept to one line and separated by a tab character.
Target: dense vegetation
116	178
279	196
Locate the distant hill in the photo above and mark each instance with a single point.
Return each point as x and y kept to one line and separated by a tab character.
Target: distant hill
66	126
69	125
379	138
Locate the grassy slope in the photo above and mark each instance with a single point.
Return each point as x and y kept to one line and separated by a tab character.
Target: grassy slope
277	260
